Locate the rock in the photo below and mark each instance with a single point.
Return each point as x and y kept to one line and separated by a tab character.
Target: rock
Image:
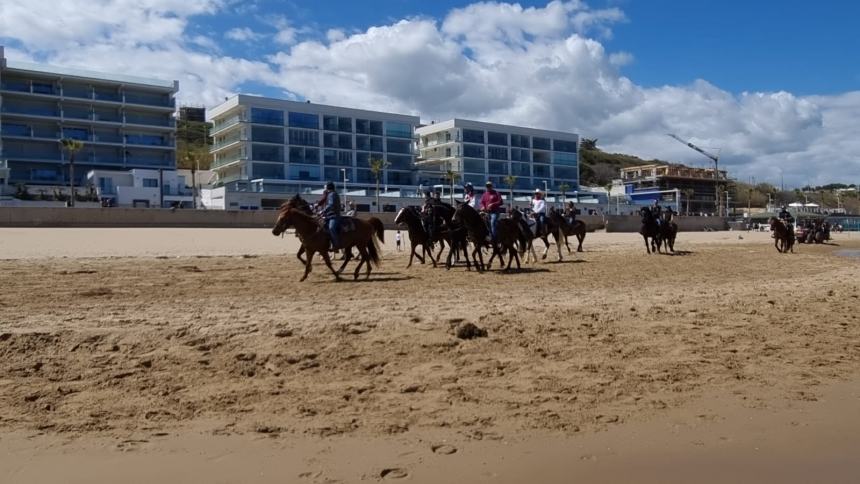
470	331
443	449
413	388
283	333
246	356
394	473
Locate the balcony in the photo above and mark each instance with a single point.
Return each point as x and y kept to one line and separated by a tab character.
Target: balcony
227	160
89	93
224	125
149	121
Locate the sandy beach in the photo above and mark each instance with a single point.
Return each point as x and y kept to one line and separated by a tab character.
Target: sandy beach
195	355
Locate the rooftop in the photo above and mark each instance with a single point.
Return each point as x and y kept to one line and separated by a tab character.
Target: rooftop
85	74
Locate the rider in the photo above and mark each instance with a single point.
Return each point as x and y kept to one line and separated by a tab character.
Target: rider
538	206
330	205
491	202
350	209
570	213
469	197
657	212
785	215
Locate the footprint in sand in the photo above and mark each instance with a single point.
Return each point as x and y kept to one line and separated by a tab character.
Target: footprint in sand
394	473
443	449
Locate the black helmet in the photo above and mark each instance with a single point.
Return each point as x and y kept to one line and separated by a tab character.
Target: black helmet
329	185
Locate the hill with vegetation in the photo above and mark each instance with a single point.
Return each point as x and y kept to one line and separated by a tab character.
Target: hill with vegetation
599	168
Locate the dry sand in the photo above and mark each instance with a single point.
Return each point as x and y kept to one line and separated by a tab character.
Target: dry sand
164	363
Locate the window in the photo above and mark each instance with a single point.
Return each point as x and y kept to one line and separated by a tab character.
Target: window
497	168
518	154
447	152
150	182
267	153
474	166
267	116
10	129
304	155
473	136
344	141
267	170
541	171
304	120
399	146
337	158
473	151
366	176
82	134
344	124
399	178
500	139
43	88
521	169
567	159
305	173
520	141
496	153
399	162
362	126
375	144
540	143
304	137
362	143
541	157
330	123
363	159
566	172
563	145
330	140
398	130
267	135
376	128
335	175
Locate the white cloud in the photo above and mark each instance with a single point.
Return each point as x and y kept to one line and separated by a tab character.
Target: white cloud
243	34
534	66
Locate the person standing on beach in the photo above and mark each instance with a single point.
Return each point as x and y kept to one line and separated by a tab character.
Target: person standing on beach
397	238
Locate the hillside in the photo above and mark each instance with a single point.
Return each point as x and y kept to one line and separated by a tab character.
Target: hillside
598	168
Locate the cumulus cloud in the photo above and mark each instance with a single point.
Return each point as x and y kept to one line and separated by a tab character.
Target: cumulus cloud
243	34
539	66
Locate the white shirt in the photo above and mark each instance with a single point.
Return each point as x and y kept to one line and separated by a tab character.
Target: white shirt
539	206
471	200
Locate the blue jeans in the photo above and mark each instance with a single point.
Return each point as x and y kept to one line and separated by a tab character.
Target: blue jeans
540	220
334	231
494	221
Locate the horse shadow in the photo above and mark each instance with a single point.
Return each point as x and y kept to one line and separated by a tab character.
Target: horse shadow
679	253
567	261
522	270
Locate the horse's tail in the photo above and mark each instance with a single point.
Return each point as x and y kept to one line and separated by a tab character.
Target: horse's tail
373	251
378	227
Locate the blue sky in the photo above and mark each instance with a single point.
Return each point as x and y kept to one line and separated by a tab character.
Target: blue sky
774	84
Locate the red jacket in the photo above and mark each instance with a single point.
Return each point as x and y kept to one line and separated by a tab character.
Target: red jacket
491	200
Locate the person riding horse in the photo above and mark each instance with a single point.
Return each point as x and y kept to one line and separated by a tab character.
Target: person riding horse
329	203
469	197
570	213
538	206
491	202
657	212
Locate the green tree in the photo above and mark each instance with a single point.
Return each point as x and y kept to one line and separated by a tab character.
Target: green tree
72	146
192	157
589	144
377	166
510	180
452	177
563	188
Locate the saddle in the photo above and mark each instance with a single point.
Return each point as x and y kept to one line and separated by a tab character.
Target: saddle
346	223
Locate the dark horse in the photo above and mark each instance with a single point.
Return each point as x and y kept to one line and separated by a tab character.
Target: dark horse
528	236
783	234
668	230
650	230
417	235
507	232
576	228
450	232
365	236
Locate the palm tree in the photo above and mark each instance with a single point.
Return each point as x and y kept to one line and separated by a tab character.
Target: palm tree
193	155
589	144
563	188
688	194
510	180
452	177
377	165
72	146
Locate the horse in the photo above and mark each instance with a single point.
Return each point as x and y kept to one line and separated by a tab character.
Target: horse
507	236
668	231
576	228
365	237
650	230
417	235
783	238
528	236
300	204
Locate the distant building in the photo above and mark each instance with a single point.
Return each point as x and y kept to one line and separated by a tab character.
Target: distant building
143	188
479	152
696	185
192	114
125	122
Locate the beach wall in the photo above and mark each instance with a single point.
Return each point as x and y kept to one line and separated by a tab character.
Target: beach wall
632	223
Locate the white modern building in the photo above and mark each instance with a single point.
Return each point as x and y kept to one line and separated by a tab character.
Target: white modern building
266	149
144	188
477	152
124	122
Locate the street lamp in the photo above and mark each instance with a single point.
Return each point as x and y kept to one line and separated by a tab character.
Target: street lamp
343	171
726	192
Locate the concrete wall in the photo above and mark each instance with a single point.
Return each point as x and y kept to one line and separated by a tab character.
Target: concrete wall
632	223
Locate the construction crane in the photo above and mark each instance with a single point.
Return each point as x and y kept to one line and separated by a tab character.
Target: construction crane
716	160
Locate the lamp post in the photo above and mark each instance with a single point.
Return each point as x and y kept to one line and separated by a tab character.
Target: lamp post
343	171
726	192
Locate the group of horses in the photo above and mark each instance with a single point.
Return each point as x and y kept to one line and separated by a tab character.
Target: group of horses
658	228
811	232
461	227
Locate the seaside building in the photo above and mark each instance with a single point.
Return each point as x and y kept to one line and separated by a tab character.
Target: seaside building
143	188
125	122
477	152
267	149
645	183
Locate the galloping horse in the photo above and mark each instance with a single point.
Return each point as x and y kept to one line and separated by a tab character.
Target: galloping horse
299	203
577	228
650	230
668	231
365	237
783	235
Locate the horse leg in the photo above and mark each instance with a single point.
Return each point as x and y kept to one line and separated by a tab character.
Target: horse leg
308	265
439	254
299	255
411	256
558	245
647	247
581	238
347	256
479	258
430	255
363	259
327	260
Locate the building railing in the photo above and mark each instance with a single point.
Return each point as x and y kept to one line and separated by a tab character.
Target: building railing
89	94
226	160
223	125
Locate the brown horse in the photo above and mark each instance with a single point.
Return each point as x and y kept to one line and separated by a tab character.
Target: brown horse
528	236
364	237
577	228
417	235
650	230
507	234
300	204
668	230
783	235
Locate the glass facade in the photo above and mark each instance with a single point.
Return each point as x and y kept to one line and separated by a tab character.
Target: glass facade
398	130
267	135
500	139
304	120
267	116
541	143
473	136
